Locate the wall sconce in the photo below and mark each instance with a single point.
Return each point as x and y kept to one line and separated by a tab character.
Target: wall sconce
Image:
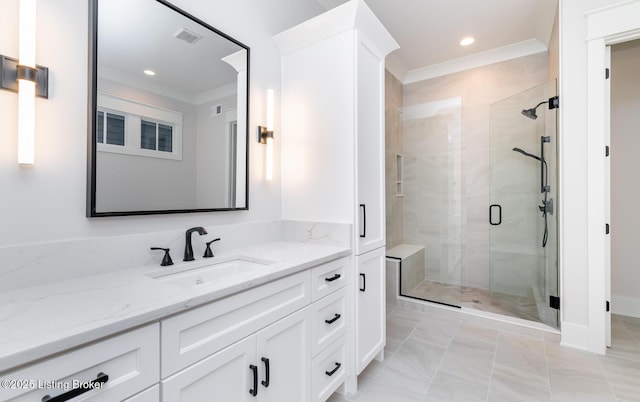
265	136
26	78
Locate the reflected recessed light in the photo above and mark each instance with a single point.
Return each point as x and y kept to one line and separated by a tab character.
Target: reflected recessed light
150	72
467	41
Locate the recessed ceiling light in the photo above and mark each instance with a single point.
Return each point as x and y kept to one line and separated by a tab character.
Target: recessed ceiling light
467	41
150	72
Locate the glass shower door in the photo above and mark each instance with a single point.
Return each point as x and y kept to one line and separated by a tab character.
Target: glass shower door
432	209
523	199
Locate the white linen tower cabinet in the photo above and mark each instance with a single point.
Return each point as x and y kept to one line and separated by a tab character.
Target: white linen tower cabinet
333	151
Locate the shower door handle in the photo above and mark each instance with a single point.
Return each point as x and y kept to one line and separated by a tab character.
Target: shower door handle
491	220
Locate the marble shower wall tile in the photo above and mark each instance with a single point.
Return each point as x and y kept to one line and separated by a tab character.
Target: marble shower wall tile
393	139
433	206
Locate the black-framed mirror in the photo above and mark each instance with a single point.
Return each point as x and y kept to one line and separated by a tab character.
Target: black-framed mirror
168	112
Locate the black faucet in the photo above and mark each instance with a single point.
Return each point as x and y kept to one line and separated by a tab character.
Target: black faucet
188	250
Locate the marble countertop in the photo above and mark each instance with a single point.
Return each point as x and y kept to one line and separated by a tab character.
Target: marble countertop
41	320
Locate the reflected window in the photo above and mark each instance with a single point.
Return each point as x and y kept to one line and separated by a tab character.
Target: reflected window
138	129
113	125
156	136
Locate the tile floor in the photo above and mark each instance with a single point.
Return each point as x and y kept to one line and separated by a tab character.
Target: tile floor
446	355
495	302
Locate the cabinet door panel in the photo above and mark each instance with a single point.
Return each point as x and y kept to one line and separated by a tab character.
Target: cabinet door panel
370	307
370	214
287	346
224	376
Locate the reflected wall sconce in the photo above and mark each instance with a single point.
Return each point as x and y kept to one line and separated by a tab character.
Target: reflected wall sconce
265	136
26	78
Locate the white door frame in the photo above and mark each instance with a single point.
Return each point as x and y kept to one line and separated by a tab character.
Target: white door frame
606	26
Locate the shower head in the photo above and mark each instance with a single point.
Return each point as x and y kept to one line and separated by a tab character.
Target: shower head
531	113
527	153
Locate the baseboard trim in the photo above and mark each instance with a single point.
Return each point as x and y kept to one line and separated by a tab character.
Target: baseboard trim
575	336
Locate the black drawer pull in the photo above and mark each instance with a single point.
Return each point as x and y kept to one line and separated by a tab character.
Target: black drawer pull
265	382
332	372
334	319
333	278
85	387
254	390
364	283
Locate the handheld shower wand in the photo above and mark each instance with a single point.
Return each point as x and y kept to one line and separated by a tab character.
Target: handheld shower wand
547	205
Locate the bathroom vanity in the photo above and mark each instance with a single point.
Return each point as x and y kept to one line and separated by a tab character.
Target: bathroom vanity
267	322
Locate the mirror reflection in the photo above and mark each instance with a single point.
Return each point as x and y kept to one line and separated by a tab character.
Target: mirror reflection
170	125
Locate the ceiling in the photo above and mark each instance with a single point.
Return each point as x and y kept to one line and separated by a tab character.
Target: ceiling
429	32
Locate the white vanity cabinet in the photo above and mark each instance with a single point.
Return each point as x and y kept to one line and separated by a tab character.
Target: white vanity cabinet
224	376
271	365
195	334
282	341
370	302
260	344
124	365
330	318
333	149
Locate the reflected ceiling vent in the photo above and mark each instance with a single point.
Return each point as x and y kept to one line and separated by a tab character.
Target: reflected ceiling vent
187	36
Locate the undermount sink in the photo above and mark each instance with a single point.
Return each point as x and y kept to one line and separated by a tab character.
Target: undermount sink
206	273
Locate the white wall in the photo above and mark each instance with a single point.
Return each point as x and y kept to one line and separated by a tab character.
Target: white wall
625	192
46	202
573	169
213	153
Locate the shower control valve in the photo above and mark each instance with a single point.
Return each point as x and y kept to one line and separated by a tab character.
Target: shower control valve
546	207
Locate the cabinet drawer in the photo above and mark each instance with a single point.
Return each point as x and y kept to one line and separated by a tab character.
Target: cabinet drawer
329	320
196	334
130	361
329	277
328	371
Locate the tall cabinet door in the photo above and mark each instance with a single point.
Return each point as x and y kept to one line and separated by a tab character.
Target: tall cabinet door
284	357
370	307
370	214
224	376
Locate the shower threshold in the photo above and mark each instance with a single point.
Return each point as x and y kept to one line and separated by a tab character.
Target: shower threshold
523	307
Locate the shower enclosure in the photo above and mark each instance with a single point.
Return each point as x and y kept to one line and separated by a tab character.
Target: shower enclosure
484	212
